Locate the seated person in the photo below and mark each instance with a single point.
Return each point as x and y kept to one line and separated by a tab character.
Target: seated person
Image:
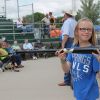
38	45
4	58
14	58
20	26
15	46
28	46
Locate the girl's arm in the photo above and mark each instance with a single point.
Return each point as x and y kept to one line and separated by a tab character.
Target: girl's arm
65	64
98	58
97	55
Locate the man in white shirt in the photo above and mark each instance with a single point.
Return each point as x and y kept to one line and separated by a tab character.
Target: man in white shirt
27	45
46	25
68	27
46	20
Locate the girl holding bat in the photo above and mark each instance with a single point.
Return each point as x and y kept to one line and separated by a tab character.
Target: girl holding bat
83	67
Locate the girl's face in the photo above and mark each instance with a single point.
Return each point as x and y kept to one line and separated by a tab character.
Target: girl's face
84	31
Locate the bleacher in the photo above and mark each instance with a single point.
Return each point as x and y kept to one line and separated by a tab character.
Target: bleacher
9	30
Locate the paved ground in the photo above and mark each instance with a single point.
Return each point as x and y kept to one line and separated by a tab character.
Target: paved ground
37	81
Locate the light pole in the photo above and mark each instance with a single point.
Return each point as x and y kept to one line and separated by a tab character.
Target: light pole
5	5
32	11
73	5
33	14
18	8
5	8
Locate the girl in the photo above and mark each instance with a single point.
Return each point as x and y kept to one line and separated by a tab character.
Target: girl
83	67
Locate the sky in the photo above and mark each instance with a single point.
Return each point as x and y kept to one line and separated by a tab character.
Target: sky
43	6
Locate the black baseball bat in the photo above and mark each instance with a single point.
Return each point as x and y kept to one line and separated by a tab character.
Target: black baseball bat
66	50
82	50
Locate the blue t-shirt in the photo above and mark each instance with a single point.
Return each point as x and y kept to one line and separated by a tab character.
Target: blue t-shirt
83	71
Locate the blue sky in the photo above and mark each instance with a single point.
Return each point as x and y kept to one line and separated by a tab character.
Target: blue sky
44	6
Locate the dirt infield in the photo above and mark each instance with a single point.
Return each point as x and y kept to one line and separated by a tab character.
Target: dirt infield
36	81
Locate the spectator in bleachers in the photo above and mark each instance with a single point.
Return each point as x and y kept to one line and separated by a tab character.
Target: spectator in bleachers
20	25
51	18
46	25
3	56
29	46
16	46
52	21
38	44
15	58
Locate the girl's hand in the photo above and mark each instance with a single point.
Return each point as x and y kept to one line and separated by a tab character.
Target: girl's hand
61	54
97	55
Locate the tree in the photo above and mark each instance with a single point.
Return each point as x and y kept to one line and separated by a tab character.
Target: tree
59	21
38	16
90	9
29	18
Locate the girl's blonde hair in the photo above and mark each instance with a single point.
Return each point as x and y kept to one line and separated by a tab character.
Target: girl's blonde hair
92	40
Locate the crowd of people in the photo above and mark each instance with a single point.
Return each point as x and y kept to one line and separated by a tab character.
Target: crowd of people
8	53
49	26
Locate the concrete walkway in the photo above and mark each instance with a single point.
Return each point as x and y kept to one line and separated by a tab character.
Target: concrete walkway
37	81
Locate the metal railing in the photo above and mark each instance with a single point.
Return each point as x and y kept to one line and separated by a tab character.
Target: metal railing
37	30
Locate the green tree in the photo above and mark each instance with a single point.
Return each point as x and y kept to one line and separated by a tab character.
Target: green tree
78	16
37	17
90	9
59	22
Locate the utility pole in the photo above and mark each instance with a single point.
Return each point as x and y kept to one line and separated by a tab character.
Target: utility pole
32	10
33	14
73	5
18	8
5	8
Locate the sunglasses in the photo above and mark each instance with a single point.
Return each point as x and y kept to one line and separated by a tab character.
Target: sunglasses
85	29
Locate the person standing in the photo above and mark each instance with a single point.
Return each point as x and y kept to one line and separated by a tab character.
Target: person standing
46	25
67	37
52	21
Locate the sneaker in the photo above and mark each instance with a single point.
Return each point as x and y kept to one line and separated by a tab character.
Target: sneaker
34	58
19	66
15	70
